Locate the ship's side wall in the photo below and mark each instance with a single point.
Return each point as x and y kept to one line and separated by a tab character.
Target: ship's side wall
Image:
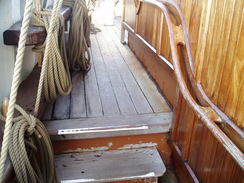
11	12
216	31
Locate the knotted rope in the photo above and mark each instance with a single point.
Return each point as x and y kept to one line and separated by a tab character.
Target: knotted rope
79	37
28	135
25	133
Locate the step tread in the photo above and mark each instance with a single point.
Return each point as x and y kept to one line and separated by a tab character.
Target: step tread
109	166
109	126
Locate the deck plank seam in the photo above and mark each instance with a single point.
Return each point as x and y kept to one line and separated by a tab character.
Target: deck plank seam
110	76
133	75
126	65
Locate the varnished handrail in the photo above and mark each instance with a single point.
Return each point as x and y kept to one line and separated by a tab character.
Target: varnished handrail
203	106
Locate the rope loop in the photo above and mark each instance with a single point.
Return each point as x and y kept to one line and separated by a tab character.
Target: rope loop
29	140
56	78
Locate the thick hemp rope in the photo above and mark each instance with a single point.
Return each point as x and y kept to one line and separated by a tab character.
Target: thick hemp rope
15	84
25	134
30	149
57	78
79	37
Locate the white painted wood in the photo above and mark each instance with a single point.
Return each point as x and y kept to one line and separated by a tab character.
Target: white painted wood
85	128
109	166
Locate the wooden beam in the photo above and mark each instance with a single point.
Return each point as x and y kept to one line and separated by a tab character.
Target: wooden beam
36	35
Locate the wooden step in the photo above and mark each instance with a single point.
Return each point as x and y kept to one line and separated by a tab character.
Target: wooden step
86	128
109	166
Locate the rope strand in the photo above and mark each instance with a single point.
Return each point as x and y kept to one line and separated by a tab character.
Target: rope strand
15	83
79	37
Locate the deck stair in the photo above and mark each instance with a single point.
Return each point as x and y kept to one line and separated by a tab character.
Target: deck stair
85	128
114	125
110	166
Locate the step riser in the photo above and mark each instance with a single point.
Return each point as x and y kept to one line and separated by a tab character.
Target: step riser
115	143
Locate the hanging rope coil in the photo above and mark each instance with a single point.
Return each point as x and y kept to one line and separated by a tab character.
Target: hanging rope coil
79	37
24	135
30	149
57	78
15	84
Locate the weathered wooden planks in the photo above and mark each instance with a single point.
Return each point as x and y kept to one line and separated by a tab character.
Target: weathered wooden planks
78	101
149	89
93	101
48	114
62	108
123	98
108	98
109	166
117	84
111	126
137	96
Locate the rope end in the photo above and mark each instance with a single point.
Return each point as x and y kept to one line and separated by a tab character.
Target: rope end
5	107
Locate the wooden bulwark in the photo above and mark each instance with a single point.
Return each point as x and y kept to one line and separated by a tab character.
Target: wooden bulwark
195	91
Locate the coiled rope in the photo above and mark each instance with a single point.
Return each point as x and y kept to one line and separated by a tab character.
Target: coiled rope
25	137
15	84
56	72
79	37
30	149
25	134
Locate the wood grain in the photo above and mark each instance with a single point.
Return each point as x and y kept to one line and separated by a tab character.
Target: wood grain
123	98
149	89
215	35
117	84
217	42
86	128
136	93
62	108
108	98
77	100
93	100
97	166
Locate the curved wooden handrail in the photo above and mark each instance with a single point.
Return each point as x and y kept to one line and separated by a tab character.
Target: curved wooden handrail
203	106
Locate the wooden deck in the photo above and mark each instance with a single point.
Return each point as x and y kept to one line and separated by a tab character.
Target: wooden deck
116	85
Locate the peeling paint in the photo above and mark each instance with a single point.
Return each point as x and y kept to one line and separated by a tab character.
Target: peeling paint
148	175
137	146
92	149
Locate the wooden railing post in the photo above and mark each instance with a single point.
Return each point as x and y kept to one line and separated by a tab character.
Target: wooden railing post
122	33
